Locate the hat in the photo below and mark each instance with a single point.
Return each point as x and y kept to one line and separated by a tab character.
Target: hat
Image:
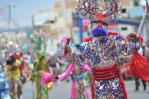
99	31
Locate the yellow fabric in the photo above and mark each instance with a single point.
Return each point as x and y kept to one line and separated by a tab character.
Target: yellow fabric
18	63
44	66
15	74
50	85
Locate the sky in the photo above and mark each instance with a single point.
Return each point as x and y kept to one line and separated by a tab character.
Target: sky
24	9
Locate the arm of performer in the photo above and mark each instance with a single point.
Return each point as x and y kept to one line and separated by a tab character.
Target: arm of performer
66	73
129	45
85	68
79	57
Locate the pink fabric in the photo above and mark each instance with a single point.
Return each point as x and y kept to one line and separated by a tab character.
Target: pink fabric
85	68
47	77
66	73
62	40
74	93
73	84
86	22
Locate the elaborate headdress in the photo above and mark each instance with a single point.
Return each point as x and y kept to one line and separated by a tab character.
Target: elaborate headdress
88	9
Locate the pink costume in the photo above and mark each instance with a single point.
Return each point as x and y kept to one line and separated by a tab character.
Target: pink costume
70	71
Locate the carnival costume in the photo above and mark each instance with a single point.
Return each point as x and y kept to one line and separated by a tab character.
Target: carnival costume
39	67
13	75
74	87
102	55
139	65
4	86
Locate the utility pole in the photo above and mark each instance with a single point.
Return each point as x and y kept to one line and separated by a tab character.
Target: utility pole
10	13
9	6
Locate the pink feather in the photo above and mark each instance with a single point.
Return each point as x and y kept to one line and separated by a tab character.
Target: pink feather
47	77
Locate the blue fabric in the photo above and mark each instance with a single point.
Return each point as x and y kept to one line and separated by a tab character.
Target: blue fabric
75	79
118	37
99	32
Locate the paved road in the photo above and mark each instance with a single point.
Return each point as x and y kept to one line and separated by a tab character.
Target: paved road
62	90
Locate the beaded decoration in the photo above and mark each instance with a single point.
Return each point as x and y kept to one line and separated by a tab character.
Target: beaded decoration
86	8
89	9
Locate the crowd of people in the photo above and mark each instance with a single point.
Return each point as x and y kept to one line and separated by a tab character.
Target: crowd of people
19	66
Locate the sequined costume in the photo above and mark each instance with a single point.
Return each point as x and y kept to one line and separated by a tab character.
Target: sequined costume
102	56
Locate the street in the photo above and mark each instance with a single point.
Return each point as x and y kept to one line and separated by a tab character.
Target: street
62	91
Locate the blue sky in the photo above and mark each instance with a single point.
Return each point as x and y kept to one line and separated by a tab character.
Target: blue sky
24	9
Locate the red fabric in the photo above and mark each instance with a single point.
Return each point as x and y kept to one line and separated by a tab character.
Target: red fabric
140	38
99	25
106	73
123	86
85	28
113	33
92	89
87	39
127	70
139	67
21	67
100	16
67	43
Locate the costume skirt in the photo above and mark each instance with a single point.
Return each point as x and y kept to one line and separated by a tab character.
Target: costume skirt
107	83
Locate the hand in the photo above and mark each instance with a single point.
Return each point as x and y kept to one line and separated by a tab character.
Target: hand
56	77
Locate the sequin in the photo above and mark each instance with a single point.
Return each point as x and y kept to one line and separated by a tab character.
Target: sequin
108	89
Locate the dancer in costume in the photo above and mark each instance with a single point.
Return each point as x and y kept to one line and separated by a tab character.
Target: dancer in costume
139	65
19	62
74	86
13	74
4	86
101	54
40	66
76	73
72	70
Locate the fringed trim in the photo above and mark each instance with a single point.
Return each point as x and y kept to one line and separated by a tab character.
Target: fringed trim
92	89
123	86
